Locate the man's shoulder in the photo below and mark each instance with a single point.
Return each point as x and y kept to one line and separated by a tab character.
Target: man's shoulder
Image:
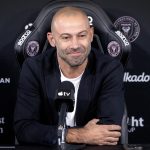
41	58
39	63
105	61
102	58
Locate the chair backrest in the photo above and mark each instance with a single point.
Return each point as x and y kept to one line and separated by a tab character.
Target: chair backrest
124	128
108	39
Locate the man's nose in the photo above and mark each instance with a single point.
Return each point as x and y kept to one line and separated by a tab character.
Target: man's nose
75	43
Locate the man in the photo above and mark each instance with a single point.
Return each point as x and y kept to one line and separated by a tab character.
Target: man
98	87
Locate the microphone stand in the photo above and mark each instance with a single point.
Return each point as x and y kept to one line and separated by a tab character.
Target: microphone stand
62	127
62	145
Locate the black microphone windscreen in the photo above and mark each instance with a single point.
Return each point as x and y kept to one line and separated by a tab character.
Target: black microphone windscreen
66	85
65	94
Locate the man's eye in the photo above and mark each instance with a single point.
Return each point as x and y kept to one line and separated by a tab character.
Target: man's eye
65	38
82	35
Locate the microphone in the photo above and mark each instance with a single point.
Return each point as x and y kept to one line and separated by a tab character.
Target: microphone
64	102
65	95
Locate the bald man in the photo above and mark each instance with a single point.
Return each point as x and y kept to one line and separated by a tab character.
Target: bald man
98	82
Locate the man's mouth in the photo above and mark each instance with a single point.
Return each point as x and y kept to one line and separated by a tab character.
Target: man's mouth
75	53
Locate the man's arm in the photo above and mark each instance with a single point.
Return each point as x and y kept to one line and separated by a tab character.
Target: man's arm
28	121
110	108
94	134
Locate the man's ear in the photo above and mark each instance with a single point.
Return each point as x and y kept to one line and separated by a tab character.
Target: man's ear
51	39
92	33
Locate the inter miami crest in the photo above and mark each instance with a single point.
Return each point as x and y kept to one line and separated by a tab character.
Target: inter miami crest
128	26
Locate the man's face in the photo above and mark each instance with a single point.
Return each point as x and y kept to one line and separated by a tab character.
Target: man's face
72	37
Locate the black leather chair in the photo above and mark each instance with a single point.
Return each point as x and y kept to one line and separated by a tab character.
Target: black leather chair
107	39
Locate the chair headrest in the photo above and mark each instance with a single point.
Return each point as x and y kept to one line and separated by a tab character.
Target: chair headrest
31	42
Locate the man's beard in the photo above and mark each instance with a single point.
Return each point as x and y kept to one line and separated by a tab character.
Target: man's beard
75	61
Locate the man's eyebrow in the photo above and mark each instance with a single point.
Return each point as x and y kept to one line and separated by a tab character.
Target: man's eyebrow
69	34
84	31
64	34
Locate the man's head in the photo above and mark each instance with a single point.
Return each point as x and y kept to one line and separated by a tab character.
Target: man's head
71	35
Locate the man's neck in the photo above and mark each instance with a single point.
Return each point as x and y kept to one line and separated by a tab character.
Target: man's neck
72	72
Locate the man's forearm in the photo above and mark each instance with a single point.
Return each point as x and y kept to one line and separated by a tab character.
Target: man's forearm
76	135
94	134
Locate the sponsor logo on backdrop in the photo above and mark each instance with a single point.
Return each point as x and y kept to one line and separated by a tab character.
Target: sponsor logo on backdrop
124	39
113	49
129	26
143	77
90	20
28	26
4	80
23	37
2	122
134	123
32	48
